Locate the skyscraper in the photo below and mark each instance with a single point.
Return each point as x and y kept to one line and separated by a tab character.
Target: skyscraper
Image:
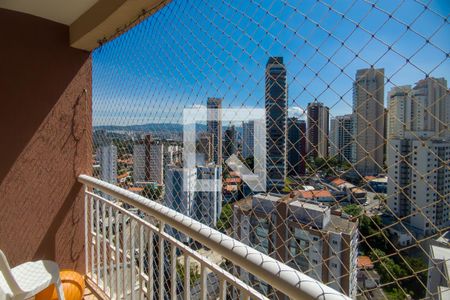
401	111
155	168
276	122
214	124
433	106
318	124
341	138
296	147
150	156
139	163
248	139
424	162
203	205
229	142
418	152
178	198
368	121
207	204
107	156
205	146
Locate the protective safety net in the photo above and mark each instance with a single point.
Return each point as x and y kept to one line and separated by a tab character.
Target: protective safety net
316	132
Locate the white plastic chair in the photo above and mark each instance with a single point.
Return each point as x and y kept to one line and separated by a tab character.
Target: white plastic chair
28	279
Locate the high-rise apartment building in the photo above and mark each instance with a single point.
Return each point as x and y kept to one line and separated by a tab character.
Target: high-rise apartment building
214	123
155	169
248	139
276	123
150	156
229	144
341	136
419	183
306	236
202	202
139	163
401	111
296	147
317	131
205	146
107	156
207	204
176	196
418	152
368	121
141	159
433	106
424	109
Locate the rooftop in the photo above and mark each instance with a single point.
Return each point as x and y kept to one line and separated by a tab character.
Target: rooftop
364	262
313	194
339	224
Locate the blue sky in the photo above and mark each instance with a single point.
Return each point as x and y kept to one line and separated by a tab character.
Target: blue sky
191	50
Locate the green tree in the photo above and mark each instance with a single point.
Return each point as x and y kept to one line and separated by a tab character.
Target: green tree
250	162
152	192
224	221
353	210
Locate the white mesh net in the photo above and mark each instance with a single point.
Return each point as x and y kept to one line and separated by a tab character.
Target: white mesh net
353	143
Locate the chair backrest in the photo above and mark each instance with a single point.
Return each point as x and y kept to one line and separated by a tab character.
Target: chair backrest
7	274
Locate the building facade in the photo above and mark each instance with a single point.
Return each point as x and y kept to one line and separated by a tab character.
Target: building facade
207	204
432	98
107	157
230	143
402	111
438	285
368	121
341	138
318	124
139	163
214	124
419	151
155	169
423	205
200	202
306	236
248	139
296	147
205	146
276	123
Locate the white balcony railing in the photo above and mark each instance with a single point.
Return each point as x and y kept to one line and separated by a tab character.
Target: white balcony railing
126	245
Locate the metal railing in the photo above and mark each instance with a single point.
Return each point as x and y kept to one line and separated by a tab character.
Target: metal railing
126	245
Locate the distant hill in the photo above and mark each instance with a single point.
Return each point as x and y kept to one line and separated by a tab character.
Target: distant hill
151	127
156	127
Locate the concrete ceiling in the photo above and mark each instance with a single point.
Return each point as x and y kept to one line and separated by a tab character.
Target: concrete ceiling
89	21
61	11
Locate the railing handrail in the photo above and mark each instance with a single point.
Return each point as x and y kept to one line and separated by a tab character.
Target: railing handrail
282	277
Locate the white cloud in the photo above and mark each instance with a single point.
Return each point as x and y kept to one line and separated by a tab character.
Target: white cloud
298	112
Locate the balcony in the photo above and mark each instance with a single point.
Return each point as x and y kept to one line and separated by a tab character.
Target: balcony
96	148
126	247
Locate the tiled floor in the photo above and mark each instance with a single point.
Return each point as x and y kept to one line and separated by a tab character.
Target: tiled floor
89	295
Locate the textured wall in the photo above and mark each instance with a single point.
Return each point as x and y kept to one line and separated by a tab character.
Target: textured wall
45	129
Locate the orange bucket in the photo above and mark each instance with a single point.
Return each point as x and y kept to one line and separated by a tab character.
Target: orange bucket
73	286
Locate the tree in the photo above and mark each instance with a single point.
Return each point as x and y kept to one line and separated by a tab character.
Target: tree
224	221
372	236
353	210
152	192
250	163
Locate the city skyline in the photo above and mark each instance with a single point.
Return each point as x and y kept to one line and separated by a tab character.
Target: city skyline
176	84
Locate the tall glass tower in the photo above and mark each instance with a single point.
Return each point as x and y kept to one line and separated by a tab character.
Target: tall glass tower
276	122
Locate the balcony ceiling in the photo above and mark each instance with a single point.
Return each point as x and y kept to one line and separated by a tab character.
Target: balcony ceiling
90	21
61	11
